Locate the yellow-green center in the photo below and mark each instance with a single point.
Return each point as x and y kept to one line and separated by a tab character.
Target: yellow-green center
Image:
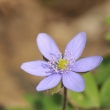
62	63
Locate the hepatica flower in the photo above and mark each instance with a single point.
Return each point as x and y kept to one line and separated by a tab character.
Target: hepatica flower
61	67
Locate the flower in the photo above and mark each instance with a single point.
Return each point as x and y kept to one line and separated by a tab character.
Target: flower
61	67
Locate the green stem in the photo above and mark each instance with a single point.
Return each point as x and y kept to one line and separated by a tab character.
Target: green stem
65	99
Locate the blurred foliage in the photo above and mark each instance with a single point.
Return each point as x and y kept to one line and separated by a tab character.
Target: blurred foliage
97	91
108	20
41	101
95	95
45	101
107	35
90	97
103	71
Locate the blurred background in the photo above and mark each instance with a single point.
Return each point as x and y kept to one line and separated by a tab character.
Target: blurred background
20	23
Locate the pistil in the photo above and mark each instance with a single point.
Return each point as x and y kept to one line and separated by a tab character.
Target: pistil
62	64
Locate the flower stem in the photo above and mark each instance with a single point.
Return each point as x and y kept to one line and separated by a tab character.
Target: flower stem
65	99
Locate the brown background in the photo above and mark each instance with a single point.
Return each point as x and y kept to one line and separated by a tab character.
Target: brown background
20	23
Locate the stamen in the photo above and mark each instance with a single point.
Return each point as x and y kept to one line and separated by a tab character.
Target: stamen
62	65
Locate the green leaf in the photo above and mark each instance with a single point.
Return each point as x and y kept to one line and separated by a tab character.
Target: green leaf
105	94
103	71
90	97
54	102
79	100
50	104
92	90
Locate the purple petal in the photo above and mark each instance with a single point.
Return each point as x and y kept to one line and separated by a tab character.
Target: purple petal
49	82
46	45
73	81
76	45
38	68
87	64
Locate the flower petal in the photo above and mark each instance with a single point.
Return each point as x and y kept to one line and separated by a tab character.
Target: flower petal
49	82
87	64
47	45
73	81
76	45
38	68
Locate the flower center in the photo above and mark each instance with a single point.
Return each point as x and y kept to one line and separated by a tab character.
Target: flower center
62	64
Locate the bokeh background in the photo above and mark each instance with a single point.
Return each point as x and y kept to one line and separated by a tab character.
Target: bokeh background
20	23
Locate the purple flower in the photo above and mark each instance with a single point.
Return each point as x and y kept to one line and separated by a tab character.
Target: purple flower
61	67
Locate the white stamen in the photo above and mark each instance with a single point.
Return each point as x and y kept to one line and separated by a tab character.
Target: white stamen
54	62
